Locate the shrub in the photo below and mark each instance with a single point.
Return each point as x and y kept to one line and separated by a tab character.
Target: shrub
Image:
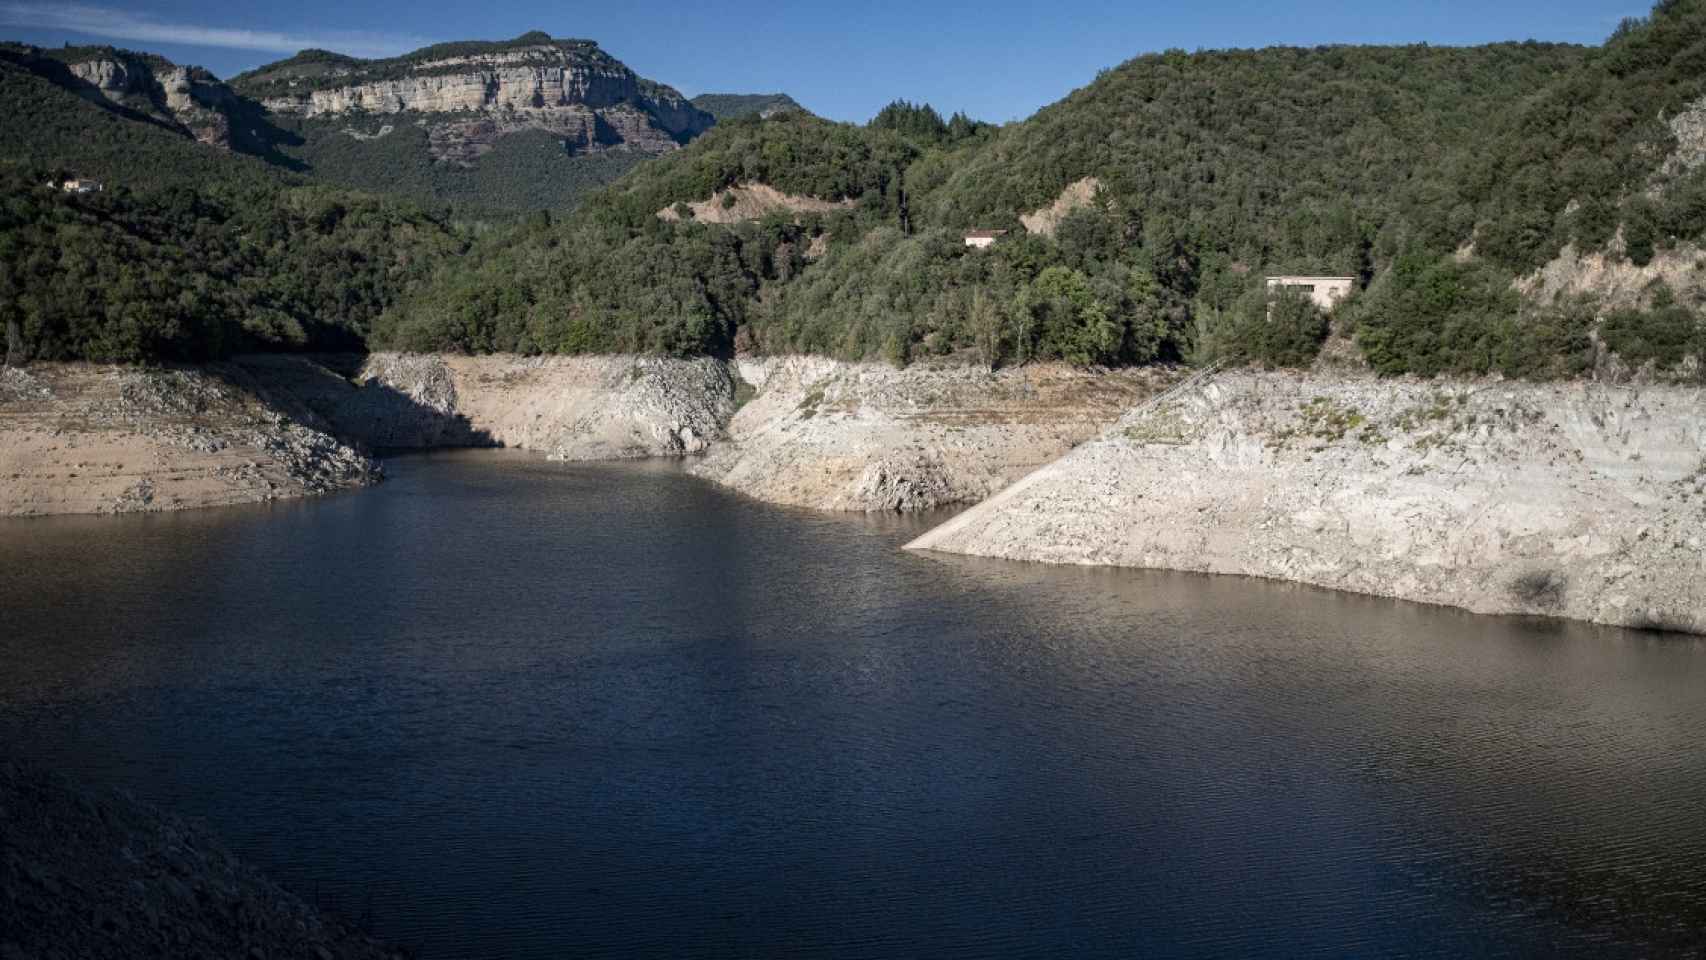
1665	334
1540	588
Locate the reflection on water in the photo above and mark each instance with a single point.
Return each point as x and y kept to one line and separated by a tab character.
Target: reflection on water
533	710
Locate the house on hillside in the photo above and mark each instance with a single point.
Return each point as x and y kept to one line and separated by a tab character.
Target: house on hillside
983	238
1325	292
79	185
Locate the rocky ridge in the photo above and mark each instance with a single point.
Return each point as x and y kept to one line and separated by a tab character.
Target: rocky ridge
468	96
1577	500
189	100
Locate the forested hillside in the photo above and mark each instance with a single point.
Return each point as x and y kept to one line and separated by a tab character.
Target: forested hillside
1436	176
191	252
1440	178
734	106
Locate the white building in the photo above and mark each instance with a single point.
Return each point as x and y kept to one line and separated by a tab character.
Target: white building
79	185
1326	292
983	238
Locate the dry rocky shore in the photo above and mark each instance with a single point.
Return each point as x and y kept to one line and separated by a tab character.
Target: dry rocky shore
91	876
83	438
1581	500
808	432
1577	500
867	437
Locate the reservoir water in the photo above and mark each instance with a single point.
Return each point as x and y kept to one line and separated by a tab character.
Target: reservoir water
511	708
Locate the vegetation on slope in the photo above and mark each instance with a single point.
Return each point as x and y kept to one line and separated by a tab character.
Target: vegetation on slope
734	106
526	171
194	274
191	252
1215	170
1437	177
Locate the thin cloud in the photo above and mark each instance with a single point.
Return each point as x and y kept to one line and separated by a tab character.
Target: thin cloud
123	25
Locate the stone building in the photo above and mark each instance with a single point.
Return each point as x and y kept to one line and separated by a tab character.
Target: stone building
983	238
1326	292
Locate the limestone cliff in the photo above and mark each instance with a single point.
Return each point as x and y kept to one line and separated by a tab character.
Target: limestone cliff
468	95
188	99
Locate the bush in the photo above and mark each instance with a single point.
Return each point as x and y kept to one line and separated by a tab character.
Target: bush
1664	335
1540	588
1282	328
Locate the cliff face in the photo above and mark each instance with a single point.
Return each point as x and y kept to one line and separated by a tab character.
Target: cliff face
1575	500
186	97
469	95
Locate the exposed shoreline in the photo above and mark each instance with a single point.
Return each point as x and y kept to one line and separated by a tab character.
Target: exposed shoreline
1579	500
88	438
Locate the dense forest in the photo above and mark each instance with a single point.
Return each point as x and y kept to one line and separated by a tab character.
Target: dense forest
1439	177
195	274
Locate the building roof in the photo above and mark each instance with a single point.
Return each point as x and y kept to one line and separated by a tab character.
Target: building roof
1297	277
985	234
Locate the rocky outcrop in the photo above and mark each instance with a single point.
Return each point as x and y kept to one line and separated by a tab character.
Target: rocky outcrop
80	438
100	875
188	97
1573	500
869	437
751	201
569	408
1613	281
1076	196
469	95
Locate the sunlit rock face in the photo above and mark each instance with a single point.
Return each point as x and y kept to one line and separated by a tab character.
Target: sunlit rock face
568	88
186	97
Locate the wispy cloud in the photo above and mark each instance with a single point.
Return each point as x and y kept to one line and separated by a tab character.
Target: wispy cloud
117	24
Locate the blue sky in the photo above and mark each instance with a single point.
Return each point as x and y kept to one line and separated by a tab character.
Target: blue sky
996	59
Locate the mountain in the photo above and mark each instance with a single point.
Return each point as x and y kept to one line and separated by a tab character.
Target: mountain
1143	212
195	248
132	119
1521	208
189	100
733	106
504	126
469	95
490	127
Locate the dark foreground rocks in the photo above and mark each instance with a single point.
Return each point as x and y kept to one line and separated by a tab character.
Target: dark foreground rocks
86	875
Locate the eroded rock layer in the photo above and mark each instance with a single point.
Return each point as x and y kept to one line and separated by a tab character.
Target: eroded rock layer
83	438
832	435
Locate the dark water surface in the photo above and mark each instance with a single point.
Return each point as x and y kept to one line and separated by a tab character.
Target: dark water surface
521	709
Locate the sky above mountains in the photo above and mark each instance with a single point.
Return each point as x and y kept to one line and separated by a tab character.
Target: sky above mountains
996	60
